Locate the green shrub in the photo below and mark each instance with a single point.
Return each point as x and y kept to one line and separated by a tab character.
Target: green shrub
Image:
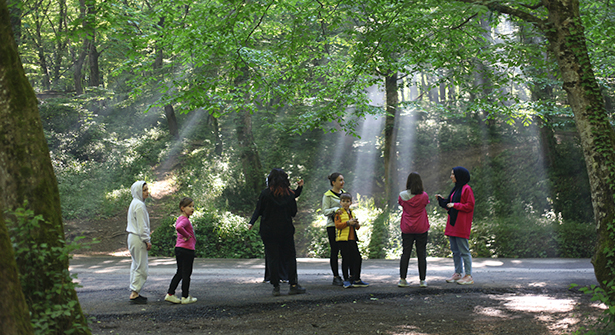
218	236
52	311
575	240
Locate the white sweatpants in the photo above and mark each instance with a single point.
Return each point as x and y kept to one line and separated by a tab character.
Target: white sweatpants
138	269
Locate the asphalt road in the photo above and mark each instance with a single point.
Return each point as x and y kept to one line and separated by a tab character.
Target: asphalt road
231	282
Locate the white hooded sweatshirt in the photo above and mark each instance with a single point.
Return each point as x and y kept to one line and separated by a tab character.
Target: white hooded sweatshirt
138	218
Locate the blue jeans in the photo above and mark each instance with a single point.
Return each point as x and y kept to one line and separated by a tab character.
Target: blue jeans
461	252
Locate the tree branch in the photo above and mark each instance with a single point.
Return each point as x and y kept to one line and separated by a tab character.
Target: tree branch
464	22
497	7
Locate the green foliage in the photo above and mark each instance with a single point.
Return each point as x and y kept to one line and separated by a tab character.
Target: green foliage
96	157
606	324
379	236
52	310
219	235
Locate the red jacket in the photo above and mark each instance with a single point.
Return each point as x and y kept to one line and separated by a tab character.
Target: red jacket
464	217
414	218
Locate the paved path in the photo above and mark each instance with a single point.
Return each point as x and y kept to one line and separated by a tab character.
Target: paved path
231	282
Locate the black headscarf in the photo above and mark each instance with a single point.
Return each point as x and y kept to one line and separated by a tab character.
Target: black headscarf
462	175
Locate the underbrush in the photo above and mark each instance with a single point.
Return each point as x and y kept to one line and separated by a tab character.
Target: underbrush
514	237
218	235
98	151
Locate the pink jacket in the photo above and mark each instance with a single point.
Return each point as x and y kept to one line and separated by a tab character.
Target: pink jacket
185	231
464	217
414	218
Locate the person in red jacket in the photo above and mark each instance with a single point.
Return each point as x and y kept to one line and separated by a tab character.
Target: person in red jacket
460	207
414	227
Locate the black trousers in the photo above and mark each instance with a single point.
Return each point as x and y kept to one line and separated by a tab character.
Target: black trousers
275	247
331	232
408	240
350	252
185	261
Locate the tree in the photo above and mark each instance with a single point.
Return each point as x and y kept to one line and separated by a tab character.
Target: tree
560	22
26	173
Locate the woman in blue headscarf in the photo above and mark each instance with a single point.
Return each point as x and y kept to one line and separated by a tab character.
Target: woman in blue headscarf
460	207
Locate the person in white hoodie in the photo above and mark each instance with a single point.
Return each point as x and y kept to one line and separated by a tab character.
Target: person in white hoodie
139	242
414	227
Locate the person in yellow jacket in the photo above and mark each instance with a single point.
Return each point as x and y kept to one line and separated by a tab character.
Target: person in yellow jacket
346	237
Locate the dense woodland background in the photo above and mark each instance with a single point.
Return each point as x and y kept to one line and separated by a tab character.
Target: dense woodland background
212	97
203	98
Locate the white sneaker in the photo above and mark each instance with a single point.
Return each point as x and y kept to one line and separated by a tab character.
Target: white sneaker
402	283
188	300
466	280
172	298
423	284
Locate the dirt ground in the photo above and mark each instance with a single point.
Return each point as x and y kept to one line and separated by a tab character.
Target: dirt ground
428	313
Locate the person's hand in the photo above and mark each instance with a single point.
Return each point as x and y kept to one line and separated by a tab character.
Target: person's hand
148	245
438	196
357	226
450	205
250	226
300	183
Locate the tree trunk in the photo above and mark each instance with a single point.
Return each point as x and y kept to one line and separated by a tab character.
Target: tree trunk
567	43
93	54
214	123
26	173
169	112
390	135
60	44
248	153
94	80
42	59
15	13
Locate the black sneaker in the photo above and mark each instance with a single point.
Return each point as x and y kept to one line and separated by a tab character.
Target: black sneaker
276	291
359	283
139	300
337	281
296	289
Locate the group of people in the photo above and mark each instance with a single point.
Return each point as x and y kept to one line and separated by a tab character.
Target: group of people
342	225
277	206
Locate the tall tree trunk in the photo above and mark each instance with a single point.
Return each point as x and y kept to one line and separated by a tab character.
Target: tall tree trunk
169	112
567	41
42	58
248	153
15	13
60	44
26	172
94	80
390	135
91	13
214	123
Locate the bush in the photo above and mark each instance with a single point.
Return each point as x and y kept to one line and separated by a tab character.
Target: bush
218	236
51	311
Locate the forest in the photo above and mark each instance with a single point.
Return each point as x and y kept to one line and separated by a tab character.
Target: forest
210	96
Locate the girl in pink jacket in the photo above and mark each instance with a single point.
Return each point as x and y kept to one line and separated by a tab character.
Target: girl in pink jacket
414	227
184	254
460	207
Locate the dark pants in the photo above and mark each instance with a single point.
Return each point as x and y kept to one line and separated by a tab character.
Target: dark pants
331	232
283	271
350	253
421	252
185	261
276	249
